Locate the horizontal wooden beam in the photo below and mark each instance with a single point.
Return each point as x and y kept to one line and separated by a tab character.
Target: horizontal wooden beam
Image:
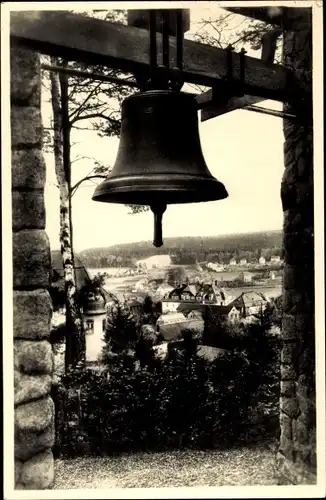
289	18
224	106
96	42
211	109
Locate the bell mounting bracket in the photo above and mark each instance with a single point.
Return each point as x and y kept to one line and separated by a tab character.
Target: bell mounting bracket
162	76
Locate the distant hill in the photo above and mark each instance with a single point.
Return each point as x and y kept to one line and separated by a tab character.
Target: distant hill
189	249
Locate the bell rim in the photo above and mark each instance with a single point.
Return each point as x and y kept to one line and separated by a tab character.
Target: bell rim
122	189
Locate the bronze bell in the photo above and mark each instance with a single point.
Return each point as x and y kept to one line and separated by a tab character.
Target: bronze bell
159	159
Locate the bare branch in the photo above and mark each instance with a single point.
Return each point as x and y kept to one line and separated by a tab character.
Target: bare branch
95	115
87	178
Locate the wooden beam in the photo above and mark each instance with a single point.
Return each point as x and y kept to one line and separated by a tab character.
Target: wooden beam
268	45
96	42
270	15
289	18
225	106
211	109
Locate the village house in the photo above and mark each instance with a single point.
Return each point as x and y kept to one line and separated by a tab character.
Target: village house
243	262
215	266
245	277
262	261
184	292
229	312
171	325
208	293
94	306
163	290
250	304
275	259
233	261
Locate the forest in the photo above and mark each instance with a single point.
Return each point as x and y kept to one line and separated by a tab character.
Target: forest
189	250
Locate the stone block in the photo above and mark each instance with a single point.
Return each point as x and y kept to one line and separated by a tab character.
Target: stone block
304	168
307	405
18	470
34	416
298	250
28	169
38	471
300	431
286	425
292	221
313	458
32	311
287	388
25	79
289	406
304	192
30	387
297	301
286	447
289	331
290	352
33	357
29	443
34	428
303	321
291	473
288	194
28	210
290	173
290	274
31	259
26	127
288	372
302	453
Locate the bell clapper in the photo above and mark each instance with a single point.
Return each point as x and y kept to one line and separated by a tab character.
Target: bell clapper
158	211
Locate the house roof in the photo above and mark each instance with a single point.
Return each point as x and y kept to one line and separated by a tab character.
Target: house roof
210	353
247	299
170	318
178	290
81	274
57	278
222	310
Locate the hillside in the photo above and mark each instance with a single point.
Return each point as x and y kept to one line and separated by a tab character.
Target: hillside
187	250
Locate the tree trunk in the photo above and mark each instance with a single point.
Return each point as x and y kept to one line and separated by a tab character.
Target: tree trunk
75	344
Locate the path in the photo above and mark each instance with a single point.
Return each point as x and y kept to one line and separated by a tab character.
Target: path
249	466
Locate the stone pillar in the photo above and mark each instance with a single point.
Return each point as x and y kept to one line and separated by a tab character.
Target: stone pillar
297	449
33	358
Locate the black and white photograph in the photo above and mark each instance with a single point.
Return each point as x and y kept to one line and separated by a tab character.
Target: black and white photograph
163	249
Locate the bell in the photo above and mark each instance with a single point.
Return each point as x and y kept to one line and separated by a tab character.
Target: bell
159	160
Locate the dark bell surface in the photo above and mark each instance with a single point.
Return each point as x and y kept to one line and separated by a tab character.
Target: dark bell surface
159	156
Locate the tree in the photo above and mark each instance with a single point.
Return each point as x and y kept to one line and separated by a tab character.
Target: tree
74	100
122	331
176	275
75	344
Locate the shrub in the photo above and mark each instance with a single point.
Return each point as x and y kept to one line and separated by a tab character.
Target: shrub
184	401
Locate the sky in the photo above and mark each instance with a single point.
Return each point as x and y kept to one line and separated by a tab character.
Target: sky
242	149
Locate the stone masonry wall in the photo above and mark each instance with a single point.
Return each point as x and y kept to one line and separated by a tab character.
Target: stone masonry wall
33	358
297	449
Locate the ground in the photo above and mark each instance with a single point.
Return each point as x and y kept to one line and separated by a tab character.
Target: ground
248	466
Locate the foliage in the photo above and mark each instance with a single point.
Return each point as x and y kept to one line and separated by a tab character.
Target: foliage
93	286
189	250
183	402
122	331
58	334
176	275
